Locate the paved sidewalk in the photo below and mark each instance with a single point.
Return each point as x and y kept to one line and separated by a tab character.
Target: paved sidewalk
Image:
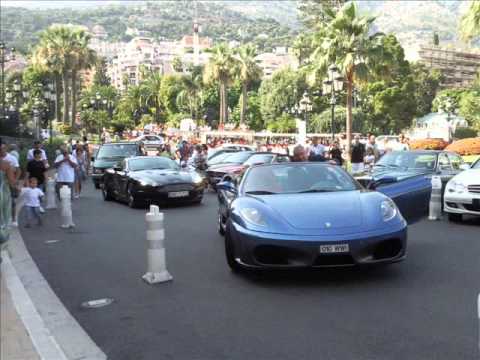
15	343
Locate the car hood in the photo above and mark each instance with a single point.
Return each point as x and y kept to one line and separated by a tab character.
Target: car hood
161	177
398	173
318	210
469	177
106	162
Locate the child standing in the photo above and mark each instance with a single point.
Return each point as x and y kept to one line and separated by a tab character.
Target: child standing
32	195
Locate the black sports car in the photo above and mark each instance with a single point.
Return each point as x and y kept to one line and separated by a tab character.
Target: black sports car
145	179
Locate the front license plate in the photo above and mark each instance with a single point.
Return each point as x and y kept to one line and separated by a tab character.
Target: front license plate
178	194
334	249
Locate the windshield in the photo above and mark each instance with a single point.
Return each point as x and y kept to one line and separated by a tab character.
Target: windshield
238	158
150	163
117	150
259	159
219	158
292	178
476	165
407	160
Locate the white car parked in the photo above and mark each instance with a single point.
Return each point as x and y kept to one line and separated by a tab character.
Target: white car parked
462	194
150	142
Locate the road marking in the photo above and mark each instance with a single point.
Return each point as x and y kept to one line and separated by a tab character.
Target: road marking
51	241
43	341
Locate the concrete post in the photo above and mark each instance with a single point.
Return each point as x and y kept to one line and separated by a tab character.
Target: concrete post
156	260
51	201
66	207
435	208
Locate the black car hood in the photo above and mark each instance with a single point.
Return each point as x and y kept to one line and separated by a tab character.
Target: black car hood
106	163
162	177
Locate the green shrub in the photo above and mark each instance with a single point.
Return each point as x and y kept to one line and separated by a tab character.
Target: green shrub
464	133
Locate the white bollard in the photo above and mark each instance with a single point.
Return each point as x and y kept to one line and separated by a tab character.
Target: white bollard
435	207
156	260
51	198
66	207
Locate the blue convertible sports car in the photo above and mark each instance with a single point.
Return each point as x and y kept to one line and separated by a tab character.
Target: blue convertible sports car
307	215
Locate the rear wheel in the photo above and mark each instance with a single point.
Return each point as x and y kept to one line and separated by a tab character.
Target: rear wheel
221	224
230	254
455	217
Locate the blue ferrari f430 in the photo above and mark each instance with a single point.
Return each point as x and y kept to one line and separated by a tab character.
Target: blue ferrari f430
292	215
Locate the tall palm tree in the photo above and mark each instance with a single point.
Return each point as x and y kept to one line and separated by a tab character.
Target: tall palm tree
191	92
220	69
470	23
346	42
248	71
151	92
82	58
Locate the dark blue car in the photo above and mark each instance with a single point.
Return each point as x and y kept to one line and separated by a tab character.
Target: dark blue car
405	176
292	215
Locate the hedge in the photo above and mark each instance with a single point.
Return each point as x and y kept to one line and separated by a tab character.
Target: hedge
470	146
428	144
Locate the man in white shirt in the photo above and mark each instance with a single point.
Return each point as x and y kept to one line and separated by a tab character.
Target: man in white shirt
13	162
316	149
65	164
37	145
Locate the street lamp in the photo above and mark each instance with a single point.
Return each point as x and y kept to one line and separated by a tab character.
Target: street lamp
36	117
305	106
332	86
4	58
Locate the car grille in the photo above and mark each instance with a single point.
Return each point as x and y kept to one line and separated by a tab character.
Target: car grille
177	187
472	207
474	189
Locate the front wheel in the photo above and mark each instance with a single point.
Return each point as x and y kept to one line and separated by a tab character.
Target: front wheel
455	217
132	201
220	224
106	193
230	254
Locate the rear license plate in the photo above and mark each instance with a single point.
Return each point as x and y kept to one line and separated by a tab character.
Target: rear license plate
178	194
334	249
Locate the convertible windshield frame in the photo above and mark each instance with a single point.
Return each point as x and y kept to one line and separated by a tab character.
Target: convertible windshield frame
108	148
172	164
270	186
410	156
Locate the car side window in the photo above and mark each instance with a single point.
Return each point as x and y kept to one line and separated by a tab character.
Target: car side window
456	161
443	162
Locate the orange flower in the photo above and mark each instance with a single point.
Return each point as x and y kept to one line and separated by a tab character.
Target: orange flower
469	146
428	144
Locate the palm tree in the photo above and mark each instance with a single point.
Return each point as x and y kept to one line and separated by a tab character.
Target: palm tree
82	58
470	24
220	68
248	71
345	42
151	92
191	92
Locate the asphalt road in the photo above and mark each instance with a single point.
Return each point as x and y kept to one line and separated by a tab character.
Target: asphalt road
422	308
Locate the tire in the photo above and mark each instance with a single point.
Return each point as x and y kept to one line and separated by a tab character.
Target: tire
230	254
132	201
220	224
455	217
107	195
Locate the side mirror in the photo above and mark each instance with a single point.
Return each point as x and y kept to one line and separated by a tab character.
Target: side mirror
382	181
227	186
117	167
92	159
464	167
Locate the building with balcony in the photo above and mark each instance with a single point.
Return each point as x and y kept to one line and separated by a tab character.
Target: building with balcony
271	62
458	66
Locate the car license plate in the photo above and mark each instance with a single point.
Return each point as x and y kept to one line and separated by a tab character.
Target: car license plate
178	194
334	249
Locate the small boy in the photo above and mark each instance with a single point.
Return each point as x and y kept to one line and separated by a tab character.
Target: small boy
32	195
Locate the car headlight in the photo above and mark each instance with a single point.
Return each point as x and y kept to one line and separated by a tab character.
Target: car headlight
456	186
196	178
253	216
388	210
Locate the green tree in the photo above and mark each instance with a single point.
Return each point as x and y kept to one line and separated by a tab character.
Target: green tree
248	72
220	69
313	13
151	98
190	95
469	108
346	42
177	64
100	78
470	23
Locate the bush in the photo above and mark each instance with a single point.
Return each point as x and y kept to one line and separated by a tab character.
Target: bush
64	128
470	146
428	144
464	133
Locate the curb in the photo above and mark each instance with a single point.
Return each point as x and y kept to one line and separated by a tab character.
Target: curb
46	319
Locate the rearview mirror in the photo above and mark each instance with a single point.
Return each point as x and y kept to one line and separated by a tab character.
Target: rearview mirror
227	186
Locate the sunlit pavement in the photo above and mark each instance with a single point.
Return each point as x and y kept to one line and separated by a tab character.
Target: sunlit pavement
422	308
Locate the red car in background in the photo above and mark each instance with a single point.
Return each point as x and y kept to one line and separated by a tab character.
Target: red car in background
238	162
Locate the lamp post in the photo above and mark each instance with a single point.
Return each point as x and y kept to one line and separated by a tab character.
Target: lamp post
332	86
4	58
305	106
36	117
